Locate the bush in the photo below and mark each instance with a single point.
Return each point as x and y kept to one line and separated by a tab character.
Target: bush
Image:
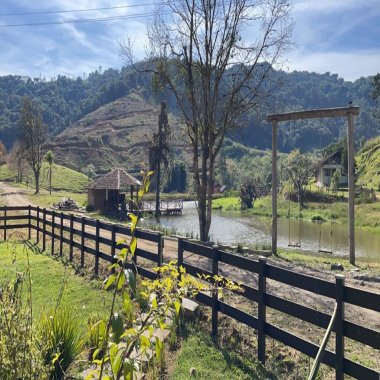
60	332
318	218
90	208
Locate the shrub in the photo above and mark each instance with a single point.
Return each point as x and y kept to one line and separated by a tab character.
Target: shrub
60	332
90	208
318	218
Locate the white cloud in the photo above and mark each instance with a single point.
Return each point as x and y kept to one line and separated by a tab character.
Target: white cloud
349	65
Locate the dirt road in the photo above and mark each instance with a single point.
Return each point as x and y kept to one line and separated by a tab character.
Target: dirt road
12	196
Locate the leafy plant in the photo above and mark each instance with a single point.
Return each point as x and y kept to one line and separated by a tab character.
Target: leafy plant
60	334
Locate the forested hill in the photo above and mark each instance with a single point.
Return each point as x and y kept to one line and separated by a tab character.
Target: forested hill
64	101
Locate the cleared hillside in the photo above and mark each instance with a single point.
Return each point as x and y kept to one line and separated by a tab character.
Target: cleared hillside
368	164
115	135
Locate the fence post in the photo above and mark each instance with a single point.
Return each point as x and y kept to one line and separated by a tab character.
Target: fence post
52	231
29	223
71	237
5	223
160	250
339	322
215	272
97	248
261	309
44	230
38	224
82	243
61	236
113	246
180	252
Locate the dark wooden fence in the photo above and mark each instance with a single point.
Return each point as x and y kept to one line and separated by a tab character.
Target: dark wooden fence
53	224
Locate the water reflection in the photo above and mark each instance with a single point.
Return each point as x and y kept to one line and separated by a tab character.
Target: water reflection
232	229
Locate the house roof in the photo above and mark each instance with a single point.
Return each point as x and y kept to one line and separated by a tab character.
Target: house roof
116	179
332	159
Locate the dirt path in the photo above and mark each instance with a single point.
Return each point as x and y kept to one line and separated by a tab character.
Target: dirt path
12	196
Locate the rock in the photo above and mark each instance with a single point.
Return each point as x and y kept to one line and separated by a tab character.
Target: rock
193	372
189	308
337	266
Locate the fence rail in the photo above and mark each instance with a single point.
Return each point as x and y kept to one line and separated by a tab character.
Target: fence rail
80	232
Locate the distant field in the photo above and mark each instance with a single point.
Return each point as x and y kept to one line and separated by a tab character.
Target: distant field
63	179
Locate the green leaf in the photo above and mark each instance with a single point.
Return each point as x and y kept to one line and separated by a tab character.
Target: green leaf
120	280
177	306
109	281
133	245
116	363
117	326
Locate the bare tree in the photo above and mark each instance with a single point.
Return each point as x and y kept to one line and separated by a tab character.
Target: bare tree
32	135
216	56
16	160
3	153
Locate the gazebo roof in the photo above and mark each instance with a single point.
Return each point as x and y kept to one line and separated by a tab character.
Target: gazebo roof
116	179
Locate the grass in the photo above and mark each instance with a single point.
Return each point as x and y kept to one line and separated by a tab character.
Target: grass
52	279
44	199
63	178
212	362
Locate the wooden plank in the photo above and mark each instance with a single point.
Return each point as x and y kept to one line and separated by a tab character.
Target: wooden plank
314	114
198	249
194	271
203	298
14	208
359	371
238	315
302	281
239	261
362	298
71	251
146	254
339	333
97	233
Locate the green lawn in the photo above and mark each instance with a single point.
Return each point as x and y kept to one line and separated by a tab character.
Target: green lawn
213	363
44	199
50	277
63	178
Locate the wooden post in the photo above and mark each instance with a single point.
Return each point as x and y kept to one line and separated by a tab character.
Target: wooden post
38	224
261	310
5	223
274	186
214	305
351	187
97	247
160	250
71	237
180	252
61	236
82	243
29	223
44	230
339	323
52	231
113	246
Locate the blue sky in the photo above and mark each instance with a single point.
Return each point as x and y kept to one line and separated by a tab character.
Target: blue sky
339	36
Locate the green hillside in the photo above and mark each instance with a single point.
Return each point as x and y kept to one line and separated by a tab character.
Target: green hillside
63	178
368	164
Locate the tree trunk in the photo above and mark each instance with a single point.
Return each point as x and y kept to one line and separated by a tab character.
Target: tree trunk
50	179
37	180
157	212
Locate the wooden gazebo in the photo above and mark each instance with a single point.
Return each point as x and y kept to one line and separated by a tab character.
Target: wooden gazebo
109	192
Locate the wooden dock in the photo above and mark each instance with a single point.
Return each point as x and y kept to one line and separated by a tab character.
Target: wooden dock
167	207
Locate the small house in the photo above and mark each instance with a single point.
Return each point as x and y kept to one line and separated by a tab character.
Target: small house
218	188
326	169
114	191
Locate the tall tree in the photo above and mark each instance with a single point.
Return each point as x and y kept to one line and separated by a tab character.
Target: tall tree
3	153
299	169
159	151
32	135
197	50
49	158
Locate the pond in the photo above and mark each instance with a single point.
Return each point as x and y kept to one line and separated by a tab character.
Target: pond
232	229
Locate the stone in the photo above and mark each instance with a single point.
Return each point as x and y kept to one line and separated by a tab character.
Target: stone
189	308
193	372
337	266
